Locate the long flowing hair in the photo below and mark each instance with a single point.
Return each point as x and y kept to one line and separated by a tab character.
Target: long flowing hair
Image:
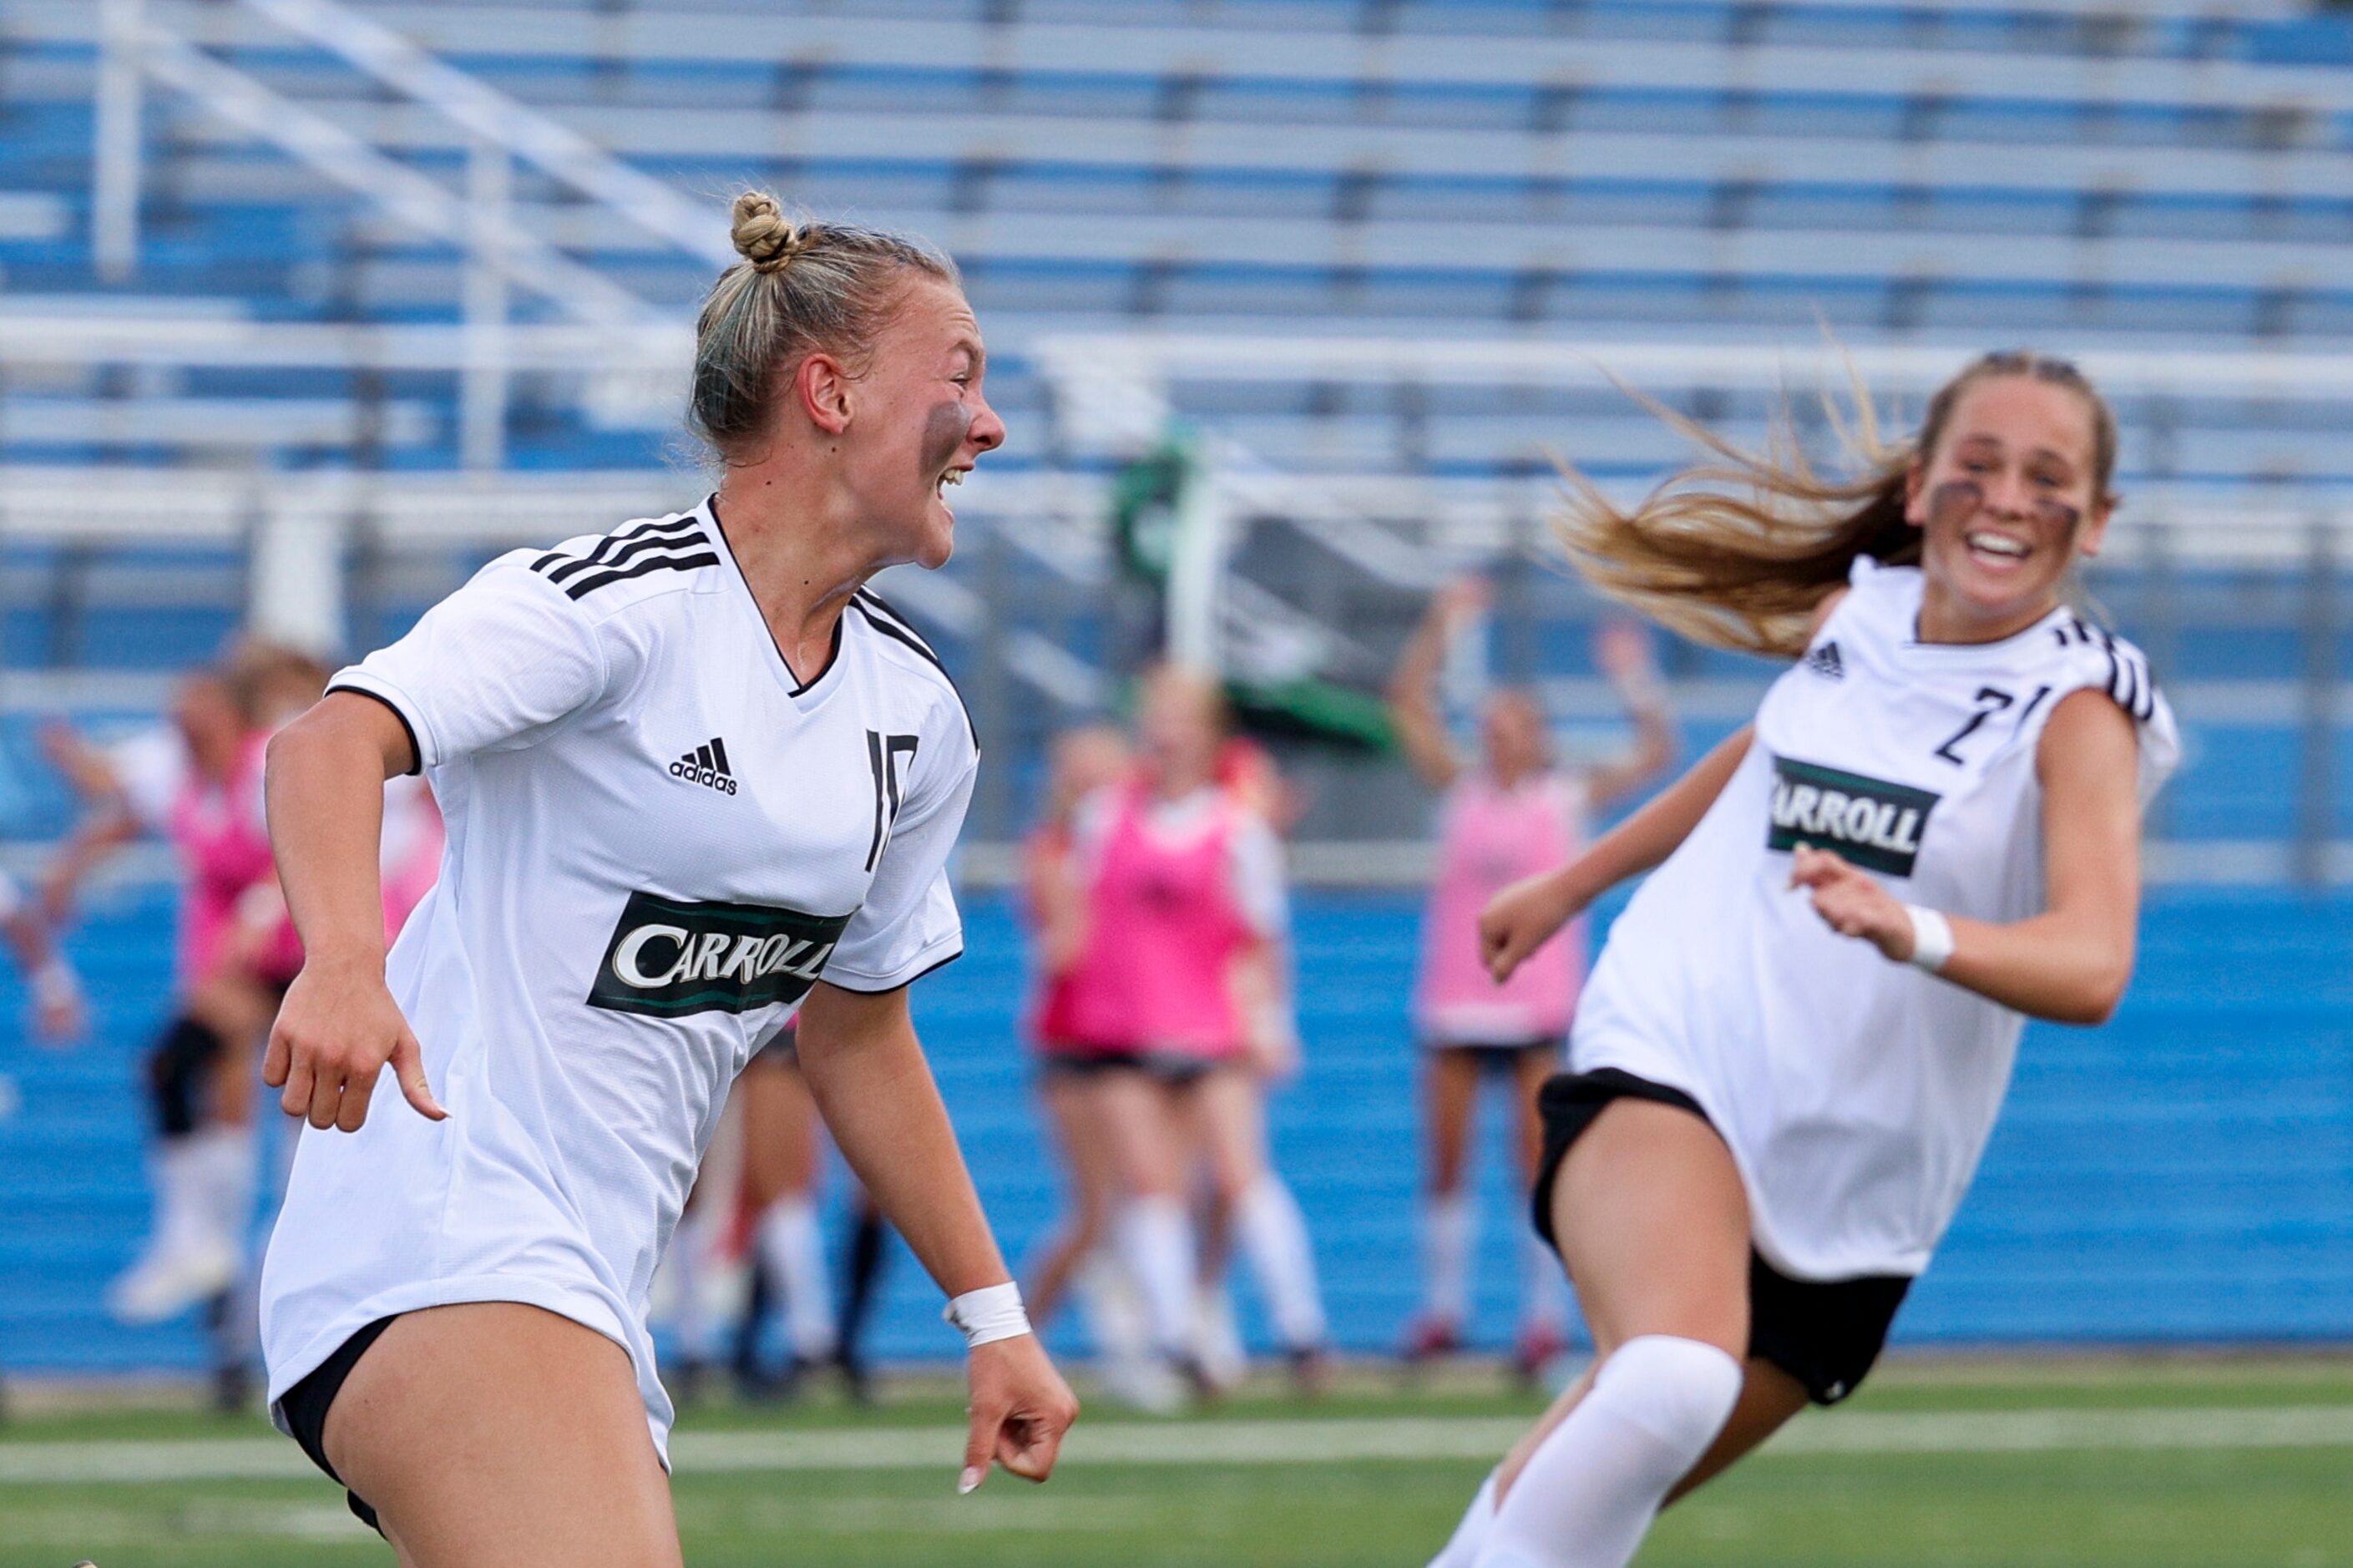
1737	550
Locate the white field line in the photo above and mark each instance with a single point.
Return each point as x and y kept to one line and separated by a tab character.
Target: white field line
1272	1441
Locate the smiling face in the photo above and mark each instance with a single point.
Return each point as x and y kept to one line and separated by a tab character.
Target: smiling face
2006	499
919	421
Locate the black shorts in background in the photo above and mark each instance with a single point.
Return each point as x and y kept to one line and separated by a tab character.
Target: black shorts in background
1826	1333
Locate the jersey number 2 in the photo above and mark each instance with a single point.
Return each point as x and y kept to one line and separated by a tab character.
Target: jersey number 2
1992	700
883	754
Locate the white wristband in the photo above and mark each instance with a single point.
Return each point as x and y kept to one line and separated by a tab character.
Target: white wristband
991	1314
1932	939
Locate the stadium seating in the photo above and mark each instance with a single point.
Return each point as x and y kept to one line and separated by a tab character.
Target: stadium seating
2168	175
2183	1176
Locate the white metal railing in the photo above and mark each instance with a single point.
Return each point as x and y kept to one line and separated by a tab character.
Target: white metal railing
500	251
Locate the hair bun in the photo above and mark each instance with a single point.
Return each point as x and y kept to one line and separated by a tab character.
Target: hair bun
765	236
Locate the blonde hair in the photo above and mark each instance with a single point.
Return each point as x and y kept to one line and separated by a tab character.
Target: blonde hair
801	288
1737	552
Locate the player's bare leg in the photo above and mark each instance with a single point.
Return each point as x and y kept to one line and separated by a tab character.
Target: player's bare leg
1140	1124
1091	1165
497	1435
1450	1094
1229	1108
1769	1399
780	1134
1653	1224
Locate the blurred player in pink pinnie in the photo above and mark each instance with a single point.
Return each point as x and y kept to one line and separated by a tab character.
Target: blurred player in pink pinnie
1512	812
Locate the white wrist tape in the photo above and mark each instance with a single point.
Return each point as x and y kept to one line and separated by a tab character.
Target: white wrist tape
991	1314
1932	938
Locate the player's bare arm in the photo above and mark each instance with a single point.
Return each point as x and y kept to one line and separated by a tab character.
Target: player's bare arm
866	1069
1413	686
339	1024
2069	963
1524	915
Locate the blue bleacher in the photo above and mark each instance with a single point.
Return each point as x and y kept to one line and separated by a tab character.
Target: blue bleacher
2184	1174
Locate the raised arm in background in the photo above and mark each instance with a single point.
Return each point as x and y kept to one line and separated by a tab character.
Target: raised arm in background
1622	649
1413	685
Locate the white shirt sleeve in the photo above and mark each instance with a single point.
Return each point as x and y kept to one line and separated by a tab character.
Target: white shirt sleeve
1260	885
908	924
492	667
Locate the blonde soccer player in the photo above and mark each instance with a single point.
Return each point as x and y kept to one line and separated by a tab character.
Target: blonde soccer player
695	776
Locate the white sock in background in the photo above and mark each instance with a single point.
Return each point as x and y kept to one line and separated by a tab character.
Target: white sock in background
1273	1237
1450	1224
1461	1548
1589	1494
792	1246
1156	1239
1544	1287
226	1172
690	1264
1217	1349
178	1175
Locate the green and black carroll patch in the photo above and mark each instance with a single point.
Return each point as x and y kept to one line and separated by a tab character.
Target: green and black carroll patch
668	958
1873	824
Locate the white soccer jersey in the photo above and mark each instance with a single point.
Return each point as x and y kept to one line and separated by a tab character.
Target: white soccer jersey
1856	1094
658	840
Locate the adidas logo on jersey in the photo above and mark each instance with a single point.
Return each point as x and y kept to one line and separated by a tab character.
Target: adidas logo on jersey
706	765
668	958
1825	661
1873	822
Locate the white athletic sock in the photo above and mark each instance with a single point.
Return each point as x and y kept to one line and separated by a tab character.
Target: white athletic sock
793	1247
178	1175
228	1171
691	1261
1544	1286
1589	1494
1156	1239
1461	1548
1450	1224
1273	1237
1108	1301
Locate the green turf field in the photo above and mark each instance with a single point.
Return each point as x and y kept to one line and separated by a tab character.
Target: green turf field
2113	1462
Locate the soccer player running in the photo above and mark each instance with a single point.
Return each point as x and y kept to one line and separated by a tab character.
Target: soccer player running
695	776
1510	813
1792	1050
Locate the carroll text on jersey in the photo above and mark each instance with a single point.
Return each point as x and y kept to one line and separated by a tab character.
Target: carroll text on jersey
668	958
1874	824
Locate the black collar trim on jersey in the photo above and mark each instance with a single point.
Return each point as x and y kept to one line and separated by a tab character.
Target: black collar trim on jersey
892	624
832	654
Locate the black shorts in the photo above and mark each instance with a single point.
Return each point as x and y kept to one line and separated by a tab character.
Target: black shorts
305	1408
1501	1058
1176	1069
1825	1333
